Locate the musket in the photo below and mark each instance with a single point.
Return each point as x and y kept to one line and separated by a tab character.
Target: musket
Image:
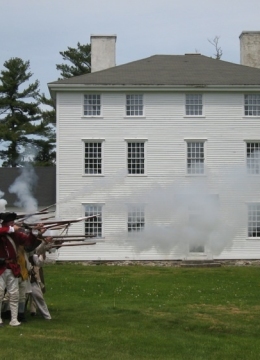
55	227
64	222
47	218
70	239
74	244
22	217
40	212
69	236
48	207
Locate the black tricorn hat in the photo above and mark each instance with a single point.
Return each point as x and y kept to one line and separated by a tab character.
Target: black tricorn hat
8	216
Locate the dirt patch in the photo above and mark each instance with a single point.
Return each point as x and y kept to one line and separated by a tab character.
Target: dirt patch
226	309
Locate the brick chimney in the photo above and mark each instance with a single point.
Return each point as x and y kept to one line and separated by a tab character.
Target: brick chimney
250	48
103	52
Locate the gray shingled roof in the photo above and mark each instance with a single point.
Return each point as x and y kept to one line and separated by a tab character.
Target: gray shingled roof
45	187
171	70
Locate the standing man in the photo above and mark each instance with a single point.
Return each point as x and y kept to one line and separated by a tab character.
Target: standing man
10	238
37	283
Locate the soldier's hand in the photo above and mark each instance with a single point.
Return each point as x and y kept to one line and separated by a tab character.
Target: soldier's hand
16	227
40	227
48	239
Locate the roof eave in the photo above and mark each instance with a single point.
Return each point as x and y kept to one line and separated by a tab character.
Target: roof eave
54	88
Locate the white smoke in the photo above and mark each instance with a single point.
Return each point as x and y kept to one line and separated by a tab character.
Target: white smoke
23	188
200	213
28	154
3	202
203	212
102	184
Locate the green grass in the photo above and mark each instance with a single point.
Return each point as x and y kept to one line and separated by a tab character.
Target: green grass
134	312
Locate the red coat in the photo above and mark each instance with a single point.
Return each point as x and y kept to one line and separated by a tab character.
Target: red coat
7	250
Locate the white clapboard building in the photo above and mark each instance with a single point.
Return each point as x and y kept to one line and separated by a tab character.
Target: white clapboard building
166	151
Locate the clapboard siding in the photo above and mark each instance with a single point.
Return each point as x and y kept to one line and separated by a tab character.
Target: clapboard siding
165	128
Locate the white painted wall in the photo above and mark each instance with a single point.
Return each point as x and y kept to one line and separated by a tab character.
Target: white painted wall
165	127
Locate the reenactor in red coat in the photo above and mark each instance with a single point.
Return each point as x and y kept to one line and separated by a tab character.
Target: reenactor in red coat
10	238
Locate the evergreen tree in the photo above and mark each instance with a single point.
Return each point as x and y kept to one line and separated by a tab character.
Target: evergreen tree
79	57
21	124
46	154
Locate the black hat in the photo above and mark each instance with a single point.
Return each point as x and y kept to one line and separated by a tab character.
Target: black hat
8	216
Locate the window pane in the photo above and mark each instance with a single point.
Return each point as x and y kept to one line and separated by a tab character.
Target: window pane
134	105
136	217
135	158
254	220
252	105
93	226
92	105
253	157
195	157
93	158
194	104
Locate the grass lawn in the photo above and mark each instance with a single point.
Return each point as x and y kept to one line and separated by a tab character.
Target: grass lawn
135	312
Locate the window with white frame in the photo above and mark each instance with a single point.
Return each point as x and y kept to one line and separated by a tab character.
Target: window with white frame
252	104
193	104
134	105
195	157
93	157
92	105
253	157
93	226
136	217
254	220
135	157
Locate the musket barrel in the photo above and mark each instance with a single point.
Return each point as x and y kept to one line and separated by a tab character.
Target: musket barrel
22	217
70	239
71	244
66	222
70	236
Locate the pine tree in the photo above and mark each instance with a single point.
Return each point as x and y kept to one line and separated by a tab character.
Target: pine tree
79	57
21	124
46	154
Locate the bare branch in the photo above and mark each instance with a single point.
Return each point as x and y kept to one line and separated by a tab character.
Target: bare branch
218	49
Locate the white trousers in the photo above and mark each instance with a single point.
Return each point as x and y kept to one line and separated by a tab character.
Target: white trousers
10	283
37	297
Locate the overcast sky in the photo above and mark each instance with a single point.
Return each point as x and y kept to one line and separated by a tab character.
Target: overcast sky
37	30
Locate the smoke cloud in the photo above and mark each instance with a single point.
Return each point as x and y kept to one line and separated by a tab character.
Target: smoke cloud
200	214
3	202
195	214
23	188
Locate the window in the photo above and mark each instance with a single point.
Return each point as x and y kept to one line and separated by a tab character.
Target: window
134	105
253	157
195	157
135	157
136	218
252	105
254	220
93	226
92	105
194	104
93	157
